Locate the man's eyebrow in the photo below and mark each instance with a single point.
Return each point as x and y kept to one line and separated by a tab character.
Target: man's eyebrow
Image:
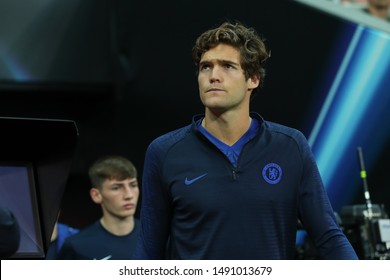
229	62
219	61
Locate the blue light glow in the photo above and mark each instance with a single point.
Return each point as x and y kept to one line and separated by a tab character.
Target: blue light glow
13	68
352	111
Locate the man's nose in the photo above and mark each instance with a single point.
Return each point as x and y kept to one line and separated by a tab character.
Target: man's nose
129	192
215	74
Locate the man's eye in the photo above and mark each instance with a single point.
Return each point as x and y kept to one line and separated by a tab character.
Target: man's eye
204	67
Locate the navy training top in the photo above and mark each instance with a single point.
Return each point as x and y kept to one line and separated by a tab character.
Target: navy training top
95	243
197	205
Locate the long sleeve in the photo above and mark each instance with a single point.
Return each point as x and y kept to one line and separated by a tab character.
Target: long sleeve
317	216
155	210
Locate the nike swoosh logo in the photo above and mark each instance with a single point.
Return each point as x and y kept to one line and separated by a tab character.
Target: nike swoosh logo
105	258
189	182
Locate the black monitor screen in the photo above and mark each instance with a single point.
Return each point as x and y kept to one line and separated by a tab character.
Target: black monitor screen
18	193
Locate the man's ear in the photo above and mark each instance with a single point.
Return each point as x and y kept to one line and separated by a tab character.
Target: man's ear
253	82
95	195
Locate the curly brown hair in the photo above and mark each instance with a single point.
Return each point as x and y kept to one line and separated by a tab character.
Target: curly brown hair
252	49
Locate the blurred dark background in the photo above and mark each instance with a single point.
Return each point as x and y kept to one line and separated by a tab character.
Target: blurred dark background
122	70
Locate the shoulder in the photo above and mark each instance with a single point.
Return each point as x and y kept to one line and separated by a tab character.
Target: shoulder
172	136
291	138
85	234
287	136
166	141
66	230
279	130
286	131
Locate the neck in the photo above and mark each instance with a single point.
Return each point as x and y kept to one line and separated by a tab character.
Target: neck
227	127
